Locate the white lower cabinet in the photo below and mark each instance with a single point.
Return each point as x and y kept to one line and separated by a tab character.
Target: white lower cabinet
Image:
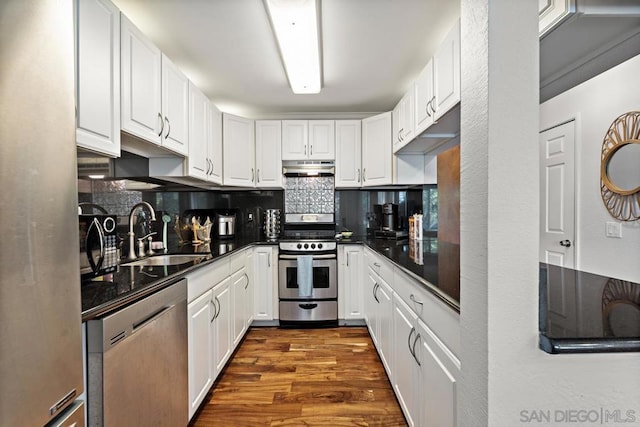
405	379
200	339
379	316
421	367
222	344
439	371
240	285
265	259
350	296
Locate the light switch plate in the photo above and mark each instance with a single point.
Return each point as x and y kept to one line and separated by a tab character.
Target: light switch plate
614	229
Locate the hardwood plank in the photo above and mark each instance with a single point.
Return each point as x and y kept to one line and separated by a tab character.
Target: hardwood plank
295	377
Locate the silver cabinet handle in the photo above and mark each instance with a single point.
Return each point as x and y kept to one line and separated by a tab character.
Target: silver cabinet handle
311	149
258	175
409	340
376	264
347	259
413	350
269	261
208	167
565	243
375	292
247	285
168	127
358	174
413	298
215	310
432	103
252	175
364	174
162	123
427	108
211	163
218	310
305	149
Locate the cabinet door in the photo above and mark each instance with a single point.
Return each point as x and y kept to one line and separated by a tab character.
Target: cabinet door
200	349
238	153
263	286
352	283
439	371
214	151
385	327
404	364
197	161
141	73
295	134
268	153
446	69
376	150
406	121
371	306
348	153
249	290
239	284
222	324
423	99
98	76
322	140
175	108
395	126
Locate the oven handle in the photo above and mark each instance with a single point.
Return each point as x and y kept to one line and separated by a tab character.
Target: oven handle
327	256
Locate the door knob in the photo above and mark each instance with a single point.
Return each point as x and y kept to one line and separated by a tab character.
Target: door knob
565	243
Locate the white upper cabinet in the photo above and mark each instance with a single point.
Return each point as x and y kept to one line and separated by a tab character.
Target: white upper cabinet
98	76
348	154
403	121
214	152
295	139
175	108
238	151
446	72
322	140
308	139
268	153
552	12
424	99
376	150
198	165
141	84
154	93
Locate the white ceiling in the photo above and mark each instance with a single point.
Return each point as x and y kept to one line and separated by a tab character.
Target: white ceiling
372	51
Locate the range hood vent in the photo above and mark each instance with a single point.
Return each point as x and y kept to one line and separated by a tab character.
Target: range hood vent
304	168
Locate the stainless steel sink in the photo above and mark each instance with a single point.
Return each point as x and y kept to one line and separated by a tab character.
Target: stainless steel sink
166	260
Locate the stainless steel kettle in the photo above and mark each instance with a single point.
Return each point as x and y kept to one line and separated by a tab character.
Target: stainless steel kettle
225	226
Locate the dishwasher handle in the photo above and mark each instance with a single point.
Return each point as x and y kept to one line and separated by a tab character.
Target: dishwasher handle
150	318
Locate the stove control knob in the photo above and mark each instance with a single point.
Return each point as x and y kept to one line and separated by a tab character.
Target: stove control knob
306	246
299	246
319	245
313	246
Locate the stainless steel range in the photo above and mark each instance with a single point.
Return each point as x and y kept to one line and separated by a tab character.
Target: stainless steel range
314	261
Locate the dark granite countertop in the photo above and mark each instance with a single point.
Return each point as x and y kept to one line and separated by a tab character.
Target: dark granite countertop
432	262
587	313
128	284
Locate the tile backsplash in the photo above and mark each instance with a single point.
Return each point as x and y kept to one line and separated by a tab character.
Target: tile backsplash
309	195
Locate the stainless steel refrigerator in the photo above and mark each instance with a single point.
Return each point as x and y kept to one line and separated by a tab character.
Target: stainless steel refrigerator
40	311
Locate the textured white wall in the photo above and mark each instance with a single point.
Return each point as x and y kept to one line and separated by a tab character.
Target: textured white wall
596	104
506	380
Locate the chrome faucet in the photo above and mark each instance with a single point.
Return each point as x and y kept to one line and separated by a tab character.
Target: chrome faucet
132	235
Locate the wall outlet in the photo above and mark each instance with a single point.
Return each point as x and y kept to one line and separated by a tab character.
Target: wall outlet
250	217
614	229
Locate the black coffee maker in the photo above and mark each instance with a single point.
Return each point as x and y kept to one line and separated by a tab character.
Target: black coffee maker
390	217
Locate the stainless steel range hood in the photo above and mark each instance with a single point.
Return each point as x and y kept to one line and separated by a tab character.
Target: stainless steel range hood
304	168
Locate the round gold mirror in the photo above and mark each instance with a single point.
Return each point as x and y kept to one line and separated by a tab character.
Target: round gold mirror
620	167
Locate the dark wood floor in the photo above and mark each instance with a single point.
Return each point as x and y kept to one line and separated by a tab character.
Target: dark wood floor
303	377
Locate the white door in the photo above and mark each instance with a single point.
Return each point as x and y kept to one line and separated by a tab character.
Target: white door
200	339
239	284
322	140
175	108
238	150
423	99
268	153
214	152
557	196
141	85
197	161
349	157
263	291
222	324
376	150
295	135
446	69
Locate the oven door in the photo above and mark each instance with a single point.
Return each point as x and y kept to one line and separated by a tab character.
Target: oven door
324	277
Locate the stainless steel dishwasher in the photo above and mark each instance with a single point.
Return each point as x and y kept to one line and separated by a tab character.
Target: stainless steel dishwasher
137	362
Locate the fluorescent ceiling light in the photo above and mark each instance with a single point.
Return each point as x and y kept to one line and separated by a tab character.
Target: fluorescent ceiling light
295	25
